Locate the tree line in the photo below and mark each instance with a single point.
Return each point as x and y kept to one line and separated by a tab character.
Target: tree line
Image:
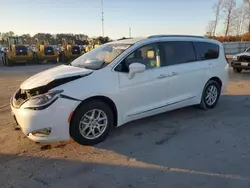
234	19
79	39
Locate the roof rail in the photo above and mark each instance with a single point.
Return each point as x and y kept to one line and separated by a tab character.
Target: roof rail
192	36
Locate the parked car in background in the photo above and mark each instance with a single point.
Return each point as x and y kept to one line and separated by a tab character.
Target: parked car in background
241	61
119	82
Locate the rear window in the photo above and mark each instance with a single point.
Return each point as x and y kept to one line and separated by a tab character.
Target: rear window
49	49
18	48
205	50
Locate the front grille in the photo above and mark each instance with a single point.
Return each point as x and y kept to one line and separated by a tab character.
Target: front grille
76	50
243	58
21	50
49	51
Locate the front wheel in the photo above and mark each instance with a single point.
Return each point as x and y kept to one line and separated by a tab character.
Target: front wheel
210	95
91	123
237	70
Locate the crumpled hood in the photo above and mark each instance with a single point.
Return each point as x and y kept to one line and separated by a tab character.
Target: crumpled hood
45	77
243	53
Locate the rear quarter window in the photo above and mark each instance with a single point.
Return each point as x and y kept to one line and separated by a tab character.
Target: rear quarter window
206	50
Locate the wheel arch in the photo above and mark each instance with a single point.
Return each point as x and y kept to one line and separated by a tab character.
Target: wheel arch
106	100
216	79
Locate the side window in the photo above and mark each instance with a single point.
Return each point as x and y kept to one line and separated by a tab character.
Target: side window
177	52
146	55
248	50
206	51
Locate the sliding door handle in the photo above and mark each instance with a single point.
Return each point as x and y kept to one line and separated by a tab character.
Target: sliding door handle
162	76
172	74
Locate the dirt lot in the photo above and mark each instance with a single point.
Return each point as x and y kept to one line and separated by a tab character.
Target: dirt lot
184	148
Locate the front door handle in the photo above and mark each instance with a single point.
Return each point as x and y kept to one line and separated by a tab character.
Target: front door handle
172	74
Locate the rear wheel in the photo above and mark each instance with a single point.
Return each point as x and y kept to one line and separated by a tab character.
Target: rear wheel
237	70
210	95
91	123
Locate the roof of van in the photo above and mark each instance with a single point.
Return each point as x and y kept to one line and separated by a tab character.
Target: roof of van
137	39
129	41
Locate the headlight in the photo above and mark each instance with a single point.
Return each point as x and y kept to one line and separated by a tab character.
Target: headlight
42	101
235	57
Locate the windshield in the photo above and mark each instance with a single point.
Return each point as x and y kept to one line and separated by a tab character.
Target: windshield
101	56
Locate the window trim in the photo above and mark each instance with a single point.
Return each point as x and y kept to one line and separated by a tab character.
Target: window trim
141	46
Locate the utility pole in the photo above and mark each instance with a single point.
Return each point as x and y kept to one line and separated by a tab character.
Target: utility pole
130	32
102	19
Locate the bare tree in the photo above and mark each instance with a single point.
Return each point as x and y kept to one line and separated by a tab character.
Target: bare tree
239	18
217	7
210	28
247	2
228	8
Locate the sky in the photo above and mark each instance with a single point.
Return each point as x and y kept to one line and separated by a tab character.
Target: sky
144	17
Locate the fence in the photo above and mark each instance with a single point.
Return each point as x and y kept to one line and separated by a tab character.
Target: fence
232	48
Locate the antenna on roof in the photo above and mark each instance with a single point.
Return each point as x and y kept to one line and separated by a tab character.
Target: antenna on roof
102	18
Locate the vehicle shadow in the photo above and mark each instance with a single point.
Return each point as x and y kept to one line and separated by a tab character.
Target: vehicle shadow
243	76
183	148
213	141
99	172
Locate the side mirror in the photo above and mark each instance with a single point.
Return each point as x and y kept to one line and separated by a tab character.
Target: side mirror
135	68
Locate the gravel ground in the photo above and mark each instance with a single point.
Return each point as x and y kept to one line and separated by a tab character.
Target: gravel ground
184	148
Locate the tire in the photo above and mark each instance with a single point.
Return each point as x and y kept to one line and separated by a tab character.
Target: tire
204	104
35	57
4	60
63	58
56	61
237	70
8	62
87	109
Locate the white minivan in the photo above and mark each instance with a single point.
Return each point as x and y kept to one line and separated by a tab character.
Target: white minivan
118	82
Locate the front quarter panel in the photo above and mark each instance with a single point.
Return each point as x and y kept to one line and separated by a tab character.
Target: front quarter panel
100	82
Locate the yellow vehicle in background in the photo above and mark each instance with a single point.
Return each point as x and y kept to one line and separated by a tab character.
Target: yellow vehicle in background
17	52
92	45
46	52
69	52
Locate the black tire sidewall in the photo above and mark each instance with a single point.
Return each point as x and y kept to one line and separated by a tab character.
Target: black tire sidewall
203	101
237	70
78	114
9	62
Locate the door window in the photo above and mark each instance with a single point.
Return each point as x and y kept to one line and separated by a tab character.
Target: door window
177	52
147	55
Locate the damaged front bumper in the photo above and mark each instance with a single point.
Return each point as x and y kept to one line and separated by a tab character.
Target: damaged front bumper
242	62
47	125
